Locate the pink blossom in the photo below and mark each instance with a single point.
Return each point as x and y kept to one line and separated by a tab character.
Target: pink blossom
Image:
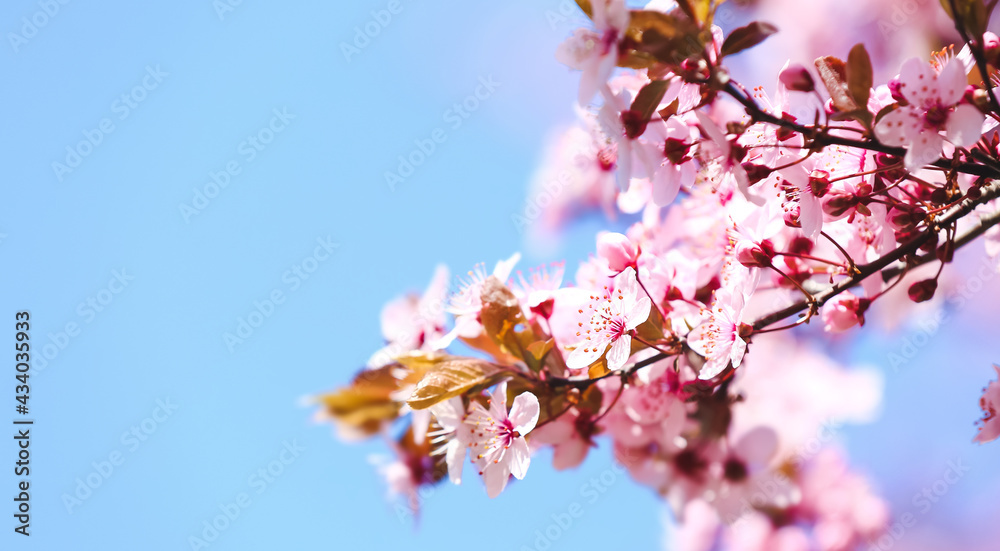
726	157
618	250
452	441
989	425
677	169
496	437
842	313
595	52
933	107
745	470
718	338
467	302
538	292
569	438
615	315
413	323
630	147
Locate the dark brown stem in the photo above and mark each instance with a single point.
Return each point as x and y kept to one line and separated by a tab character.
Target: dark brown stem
820	138
989	192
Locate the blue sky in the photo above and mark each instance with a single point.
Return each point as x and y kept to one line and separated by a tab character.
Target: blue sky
134	264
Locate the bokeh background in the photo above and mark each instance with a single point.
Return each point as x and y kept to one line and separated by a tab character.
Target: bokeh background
135	267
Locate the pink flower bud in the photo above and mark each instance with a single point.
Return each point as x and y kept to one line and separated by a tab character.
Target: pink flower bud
797	77
755	255
842	313
991	47
619	251
896	91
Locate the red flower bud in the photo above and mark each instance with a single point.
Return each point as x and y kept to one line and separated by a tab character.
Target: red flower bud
675	150
922	290
783	133
819	182
756	173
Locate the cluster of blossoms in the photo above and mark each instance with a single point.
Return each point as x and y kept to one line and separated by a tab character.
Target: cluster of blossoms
756	214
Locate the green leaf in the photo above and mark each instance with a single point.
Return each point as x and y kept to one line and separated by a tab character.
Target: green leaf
747	37
453	377
859	75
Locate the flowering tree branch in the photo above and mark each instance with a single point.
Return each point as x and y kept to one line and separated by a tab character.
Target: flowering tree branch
760	214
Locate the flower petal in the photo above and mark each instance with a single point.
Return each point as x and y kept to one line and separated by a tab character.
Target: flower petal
964	126
524	412
569	454
519	458
810	215
697	340
621	349
585	353
758	445
498	398
924	150
626	284
455	459
666	184
899	127
713	366
495	476
951	82
638	313
739	350
503	268
449	414
917	81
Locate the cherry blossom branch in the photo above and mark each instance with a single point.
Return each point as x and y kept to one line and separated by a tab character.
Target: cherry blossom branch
989	192
821	138
985	223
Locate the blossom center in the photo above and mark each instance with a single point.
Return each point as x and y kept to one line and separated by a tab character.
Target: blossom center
936	116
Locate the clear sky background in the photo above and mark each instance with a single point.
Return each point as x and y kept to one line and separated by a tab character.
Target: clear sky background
133	269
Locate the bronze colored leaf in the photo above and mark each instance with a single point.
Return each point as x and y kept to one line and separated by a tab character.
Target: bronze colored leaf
366	403
540	349
746	37
667	38
833	73
643	107
859	75
501	315
451	378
